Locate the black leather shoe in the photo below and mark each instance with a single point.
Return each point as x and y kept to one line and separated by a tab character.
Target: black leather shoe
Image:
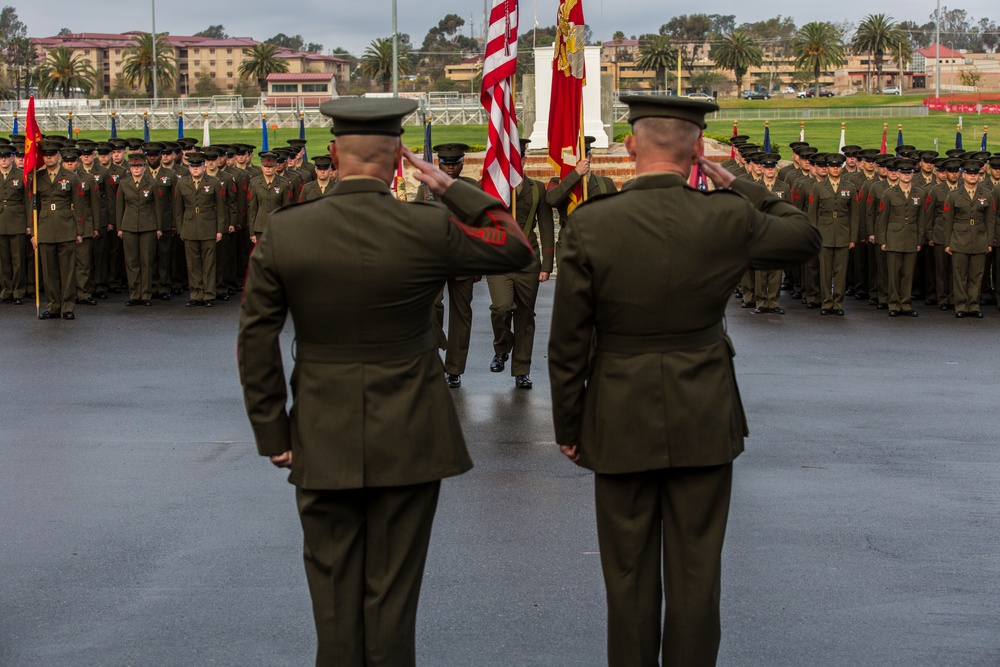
882	306
849	292
942	306
133	302
48	316
910	313
796	295
222	297
147	302
893	313
839	312
812	306
177	291
748	304
89	301
778	311
454	381
103	296
209	303
522	382
825	311
6	300
931	302
760	311
68	316
165	296
873	301
18	302
978	314
115	290
497	365
960	314
193	303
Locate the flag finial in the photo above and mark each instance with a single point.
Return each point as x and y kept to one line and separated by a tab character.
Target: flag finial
843	126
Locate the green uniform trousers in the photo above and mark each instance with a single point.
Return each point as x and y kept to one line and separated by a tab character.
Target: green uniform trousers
674	518
942	275
833	276
364	553
101	247
459	323
140	252
512	297
967	280
899	269
810	281
13	282
84	268
767	288
164	262
58	261
201	269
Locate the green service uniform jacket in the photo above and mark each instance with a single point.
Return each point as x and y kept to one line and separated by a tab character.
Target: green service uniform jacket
901	220
535	215
969	222
312	191
641	369
100	176
93	211
371	407
62	202
138	207
15	204
835	212
116	174
200	208
934	203
264	198
873	198
558	192
166	180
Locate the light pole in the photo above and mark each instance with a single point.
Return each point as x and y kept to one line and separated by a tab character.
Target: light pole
937	54
154	53
395	53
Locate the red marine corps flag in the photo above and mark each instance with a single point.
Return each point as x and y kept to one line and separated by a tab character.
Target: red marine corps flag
32	135
502	170
566	101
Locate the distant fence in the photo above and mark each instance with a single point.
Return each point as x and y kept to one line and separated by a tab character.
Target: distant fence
234	112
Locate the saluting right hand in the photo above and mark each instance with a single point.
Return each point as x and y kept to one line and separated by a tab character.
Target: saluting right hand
720	177
432	177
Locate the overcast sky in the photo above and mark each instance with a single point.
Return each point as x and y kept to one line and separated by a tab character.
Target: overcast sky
353	24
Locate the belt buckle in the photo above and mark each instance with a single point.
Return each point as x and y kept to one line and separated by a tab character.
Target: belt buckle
52	207
197	209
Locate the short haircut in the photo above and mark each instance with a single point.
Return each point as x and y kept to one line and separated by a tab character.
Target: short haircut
369	148
672	136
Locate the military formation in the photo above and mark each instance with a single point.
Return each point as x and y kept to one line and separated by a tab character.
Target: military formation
909	226
153	219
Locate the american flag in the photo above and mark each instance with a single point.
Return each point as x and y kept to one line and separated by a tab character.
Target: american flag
502	170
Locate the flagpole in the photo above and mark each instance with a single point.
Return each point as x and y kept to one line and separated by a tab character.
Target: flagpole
34	238
583	155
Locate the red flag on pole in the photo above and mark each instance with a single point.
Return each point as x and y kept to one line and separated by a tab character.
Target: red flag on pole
32	135
502	169
566	101
885	131
732	145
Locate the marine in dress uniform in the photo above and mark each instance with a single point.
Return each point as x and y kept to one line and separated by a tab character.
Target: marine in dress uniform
937	196
513	294
768	281
200	215
643	387
140	223
15	223
92	217
266	193
888	177
801	191
60	229
900	234
451	159
970	232
97	286
372	429
323	185
835	212
166	180
559	192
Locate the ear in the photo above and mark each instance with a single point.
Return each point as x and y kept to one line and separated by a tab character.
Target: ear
630	145
699	149
334	155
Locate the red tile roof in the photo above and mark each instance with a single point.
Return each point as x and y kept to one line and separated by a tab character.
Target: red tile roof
302	76
931	52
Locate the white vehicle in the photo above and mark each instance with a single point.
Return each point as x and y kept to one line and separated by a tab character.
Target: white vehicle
787	90
891	90
700	96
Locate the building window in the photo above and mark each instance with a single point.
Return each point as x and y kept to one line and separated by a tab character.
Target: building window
229	63
118	52
229	51
229	86
211	52
197	51
212	75
229	75
104	53
197	63
284	87
211	63
315	87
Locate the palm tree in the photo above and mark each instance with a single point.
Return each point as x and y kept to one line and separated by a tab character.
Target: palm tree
618	38
817	47
62	72
138	63
877	35
376	62
261	62
738	52
658	54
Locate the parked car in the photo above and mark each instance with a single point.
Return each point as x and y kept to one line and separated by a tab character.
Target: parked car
811	92
891	90
788	90
700	96
757	95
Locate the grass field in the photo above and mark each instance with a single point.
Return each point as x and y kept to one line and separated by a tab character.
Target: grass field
822	133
